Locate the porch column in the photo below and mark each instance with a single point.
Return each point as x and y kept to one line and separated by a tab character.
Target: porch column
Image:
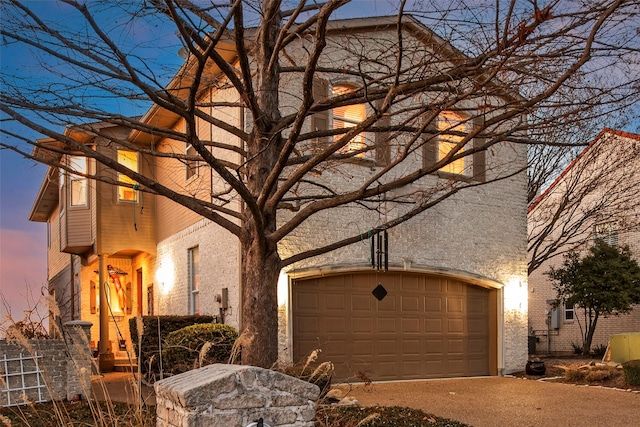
106	358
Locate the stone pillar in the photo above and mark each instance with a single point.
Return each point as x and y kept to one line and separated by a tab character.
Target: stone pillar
234	395
78	339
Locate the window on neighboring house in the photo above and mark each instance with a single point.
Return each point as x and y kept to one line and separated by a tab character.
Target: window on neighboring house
191	165
130	160
569	312
77	182
349	116
606	232
194	280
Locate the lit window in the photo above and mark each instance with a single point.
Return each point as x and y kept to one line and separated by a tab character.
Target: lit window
349	116
77	182
606	232
191	165
130	160
569	312
451	129
194	280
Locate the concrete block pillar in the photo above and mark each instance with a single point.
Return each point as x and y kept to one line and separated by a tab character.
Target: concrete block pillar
78	340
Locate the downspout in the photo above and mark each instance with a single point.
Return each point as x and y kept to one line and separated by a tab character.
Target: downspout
240	300
73	288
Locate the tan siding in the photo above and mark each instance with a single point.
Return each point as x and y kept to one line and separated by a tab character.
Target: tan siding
56	260
79	227
124	226
171	217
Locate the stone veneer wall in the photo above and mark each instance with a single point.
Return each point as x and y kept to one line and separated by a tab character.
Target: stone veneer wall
234	395
65	366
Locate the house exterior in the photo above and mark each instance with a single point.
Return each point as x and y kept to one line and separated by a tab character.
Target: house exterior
606	176
456	280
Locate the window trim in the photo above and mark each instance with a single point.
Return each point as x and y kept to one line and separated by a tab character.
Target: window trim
566	309
478	162
74	179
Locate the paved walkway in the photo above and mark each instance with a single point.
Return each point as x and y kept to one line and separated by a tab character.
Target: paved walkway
480	402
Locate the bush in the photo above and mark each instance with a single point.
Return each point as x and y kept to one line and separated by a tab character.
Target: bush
632	372
149	354
198	345
599	351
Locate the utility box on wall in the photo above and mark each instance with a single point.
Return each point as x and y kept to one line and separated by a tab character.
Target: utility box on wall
625	347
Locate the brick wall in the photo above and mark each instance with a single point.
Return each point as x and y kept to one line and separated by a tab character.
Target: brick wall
65	367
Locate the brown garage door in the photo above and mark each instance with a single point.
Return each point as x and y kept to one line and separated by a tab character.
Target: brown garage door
426	326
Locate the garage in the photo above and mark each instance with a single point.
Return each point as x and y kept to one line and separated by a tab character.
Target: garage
426	326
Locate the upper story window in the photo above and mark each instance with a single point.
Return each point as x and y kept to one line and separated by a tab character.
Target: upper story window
349	116
130	160
606	232
78	182
452	129
191	165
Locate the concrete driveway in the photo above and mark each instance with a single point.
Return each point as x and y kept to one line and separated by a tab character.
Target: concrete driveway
480	402
507	401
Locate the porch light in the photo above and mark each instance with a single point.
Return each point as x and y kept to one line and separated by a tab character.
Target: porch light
164	275
516	295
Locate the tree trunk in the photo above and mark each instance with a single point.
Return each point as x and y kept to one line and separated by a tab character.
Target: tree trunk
260	270
591	328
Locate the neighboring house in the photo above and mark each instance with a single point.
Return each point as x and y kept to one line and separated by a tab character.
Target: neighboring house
599	196
457	285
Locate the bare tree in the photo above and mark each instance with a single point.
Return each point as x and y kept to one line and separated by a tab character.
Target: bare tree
598	186
514	72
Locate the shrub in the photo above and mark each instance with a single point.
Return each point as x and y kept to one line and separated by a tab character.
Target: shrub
632	372
150	348
599	351
198	345
577	348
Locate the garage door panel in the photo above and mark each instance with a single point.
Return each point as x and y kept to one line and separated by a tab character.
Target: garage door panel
411	348
411	325
335	325
387	347
307	300
455	347
454	305
334	301
309	325
362	325
388	304
410	303
387	325
455	326
426	326
362	347
361	303
433	304
434	326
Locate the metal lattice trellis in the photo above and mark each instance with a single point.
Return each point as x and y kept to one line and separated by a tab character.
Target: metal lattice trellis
16	380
